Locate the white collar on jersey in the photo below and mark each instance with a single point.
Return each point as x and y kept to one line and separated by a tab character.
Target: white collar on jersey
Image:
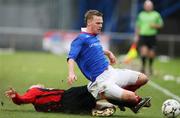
83	29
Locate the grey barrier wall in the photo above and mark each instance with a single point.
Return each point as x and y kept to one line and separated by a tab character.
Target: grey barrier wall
169	45
21	39
31	39
40	14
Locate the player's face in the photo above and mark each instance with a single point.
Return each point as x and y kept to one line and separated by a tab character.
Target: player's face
148	6
96	24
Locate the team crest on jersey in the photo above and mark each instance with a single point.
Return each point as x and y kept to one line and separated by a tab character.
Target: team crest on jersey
94	44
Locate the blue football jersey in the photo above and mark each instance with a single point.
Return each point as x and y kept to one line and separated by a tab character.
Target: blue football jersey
88	53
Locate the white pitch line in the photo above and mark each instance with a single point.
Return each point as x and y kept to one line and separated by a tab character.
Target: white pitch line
163	90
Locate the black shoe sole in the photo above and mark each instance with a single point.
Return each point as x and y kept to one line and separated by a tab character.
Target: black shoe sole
138	107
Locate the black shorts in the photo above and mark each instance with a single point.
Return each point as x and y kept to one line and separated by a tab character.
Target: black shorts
149	41
78	100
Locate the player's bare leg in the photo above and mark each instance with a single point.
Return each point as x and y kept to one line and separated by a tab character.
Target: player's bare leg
133	105
142	80
129	97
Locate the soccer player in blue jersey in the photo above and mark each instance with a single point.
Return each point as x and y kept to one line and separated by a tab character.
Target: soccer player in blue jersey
106	82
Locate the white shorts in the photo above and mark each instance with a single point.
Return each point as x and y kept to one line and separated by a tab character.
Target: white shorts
112	81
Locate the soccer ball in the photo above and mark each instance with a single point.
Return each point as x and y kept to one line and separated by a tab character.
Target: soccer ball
171	108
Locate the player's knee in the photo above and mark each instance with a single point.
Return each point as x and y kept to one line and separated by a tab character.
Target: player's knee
143	79
144	51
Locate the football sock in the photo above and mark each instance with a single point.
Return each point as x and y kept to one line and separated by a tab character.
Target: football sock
138	98
143	60
151	60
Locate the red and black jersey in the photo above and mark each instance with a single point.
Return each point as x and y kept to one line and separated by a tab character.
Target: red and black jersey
73	100
43	99
78	100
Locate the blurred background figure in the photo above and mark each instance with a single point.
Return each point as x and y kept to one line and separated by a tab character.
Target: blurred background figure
148	23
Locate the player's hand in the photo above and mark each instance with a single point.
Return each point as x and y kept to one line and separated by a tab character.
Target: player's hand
112	58
11	93
71	78
155	26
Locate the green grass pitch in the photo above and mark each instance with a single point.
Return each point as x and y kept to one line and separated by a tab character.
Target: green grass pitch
22	69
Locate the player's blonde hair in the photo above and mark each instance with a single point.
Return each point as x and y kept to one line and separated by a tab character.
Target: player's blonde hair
90	13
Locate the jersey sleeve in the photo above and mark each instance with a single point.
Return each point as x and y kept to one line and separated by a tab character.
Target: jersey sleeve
24	99
28	97
159	20
76	46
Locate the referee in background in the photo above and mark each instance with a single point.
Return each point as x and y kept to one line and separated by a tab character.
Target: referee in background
148	23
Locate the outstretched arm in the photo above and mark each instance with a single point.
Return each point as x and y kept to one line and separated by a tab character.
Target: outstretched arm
17	99
71	75
76	46
136	35
111	56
